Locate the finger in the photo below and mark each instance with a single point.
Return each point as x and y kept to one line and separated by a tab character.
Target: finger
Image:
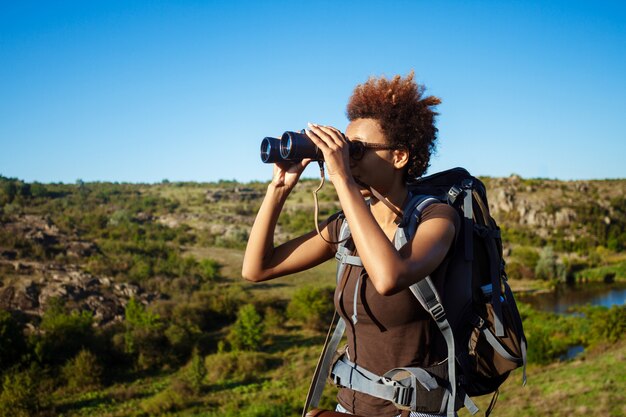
318	139
325	135
334	134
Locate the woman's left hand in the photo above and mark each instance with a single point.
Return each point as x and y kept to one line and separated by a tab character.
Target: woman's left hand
335	148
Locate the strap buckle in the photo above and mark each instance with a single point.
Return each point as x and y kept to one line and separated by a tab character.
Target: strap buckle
438	312
453	193
402	395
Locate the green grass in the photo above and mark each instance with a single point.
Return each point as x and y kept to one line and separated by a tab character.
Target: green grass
594	385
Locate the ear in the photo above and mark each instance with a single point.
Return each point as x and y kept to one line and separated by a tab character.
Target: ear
400	158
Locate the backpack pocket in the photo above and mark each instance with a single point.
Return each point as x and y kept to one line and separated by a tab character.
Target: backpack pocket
492	357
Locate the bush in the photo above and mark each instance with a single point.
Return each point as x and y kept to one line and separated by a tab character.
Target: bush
546	268
194	373
604	325
526	256
63	334
144	337
83	372
248	332
549	335
273	318
165	401
236	366
209	269
517	270
20	396
313	307
12	343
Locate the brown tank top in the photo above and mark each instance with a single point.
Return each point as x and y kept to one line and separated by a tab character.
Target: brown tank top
389	331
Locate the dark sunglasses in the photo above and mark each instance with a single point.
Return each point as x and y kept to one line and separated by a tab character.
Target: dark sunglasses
358	148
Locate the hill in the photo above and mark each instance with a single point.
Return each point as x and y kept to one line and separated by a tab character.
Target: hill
126	299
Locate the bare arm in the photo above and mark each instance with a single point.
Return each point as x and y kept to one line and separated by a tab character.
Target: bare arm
262	261
389	270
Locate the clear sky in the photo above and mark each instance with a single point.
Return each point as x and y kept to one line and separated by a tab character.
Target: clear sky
140	91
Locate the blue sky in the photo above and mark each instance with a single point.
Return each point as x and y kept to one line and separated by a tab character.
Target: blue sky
140	91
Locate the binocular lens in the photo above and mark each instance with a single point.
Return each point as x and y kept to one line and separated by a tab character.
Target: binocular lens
270	150
285	145
292	146
296	146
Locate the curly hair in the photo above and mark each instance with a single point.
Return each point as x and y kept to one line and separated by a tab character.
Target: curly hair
406	117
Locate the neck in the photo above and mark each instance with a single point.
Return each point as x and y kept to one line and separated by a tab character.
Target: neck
395	196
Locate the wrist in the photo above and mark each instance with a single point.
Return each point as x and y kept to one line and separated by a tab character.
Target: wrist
279	193
344	182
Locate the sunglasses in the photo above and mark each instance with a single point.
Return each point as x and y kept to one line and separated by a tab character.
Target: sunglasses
358	148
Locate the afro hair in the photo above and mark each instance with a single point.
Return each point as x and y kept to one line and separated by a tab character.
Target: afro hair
406	117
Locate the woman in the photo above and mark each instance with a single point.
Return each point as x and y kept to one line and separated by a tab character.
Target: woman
395	124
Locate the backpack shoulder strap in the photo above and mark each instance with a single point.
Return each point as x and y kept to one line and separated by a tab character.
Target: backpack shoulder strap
344	254
412	217
427	295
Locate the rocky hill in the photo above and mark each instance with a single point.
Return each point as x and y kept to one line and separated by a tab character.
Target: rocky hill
97	245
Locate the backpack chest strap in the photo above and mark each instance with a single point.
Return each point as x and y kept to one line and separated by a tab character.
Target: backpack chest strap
402	392
344	256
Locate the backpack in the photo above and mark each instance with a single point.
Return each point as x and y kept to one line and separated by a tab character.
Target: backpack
477	316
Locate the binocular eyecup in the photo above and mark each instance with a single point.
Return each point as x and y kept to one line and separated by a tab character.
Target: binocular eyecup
292	147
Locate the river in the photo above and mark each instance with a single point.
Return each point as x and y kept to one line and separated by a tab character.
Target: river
564	298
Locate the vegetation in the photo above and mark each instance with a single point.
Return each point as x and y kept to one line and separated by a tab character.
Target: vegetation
206	343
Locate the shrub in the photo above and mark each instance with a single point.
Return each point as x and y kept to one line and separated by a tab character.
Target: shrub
235	366
20	396
273	318
83	372
12	343
180	340
526	256
549	335
517	270
546	268
604	325
312	306
144	336
165	401
209	269
248	332
63	334
195	372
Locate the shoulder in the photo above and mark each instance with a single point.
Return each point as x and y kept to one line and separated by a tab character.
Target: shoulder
441	211
333	223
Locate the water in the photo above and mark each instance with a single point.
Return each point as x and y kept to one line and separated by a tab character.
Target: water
563	299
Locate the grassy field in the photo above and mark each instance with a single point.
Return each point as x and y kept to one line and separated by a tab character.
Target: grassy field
274	381
185	242
592	385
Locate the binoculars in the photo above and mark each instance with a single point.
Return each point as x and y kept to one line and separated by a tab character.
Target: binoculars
292	147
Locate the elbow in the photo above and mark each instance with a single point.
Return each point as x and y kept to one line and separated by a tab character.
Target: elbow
389	285
250	275
385	288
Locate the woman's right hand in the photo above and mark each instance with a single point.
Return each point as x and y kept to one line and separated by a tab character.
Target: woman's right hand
286	174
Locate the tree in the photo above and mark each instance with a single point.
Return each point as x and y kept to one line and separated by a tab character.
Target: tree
546	268
248	332
144	337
